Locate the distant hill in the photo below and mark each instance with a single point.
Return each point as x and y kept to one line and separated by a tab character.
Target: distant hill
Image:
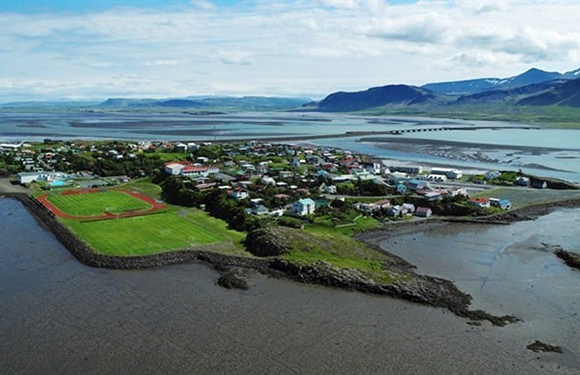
49	104
245	102
564	94
512	96
472	86
559	92
377	97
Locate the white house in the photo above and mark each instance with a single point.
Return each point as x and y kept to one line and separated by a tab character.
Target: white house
522	181
303	207
437	177
423	212
266	180
331	189
187	169
192	171
239	194
285	174
173	168
27	177
181	147
451	173
409	207
373	168
480	202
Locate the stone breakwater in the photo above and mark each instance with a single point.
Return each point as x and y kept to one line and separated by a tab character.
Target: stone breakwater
416	288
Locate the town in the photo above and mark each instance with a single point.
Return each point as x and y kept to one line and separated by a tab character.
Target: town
269	180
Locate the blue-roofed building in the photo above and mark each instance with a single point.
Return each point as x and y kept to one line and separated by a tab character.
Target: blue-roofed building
417	184
401	188
504	204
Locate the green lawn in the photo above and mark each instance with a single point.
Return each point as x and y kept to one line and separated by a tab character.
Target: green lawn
521	197
144	186
95	204
324	225
313	245
157	233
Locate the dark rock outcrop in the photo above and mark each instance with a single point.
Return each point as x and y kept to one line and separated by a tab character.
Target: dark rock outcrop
538	346
426	290
265	242
234	278
571	259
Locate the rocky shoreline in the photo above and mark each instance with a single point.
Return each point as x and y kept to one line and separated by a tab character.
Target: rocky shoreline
426	290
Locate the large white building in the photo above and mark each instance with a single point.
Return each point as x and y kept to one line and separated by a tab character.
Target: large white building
187	169
303	207
28	177
450	173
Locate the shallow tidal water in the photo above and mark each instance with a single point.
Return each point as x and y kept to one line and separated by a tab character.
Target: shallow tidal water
59	316
509	270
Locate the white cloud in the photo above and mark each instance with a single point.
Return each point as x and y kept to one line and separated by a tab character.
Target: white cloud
282	47
344	4
235	58
162	63
204	4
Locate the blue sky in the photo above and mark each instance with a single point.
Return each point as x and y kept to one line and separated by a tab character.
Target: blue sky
94	49
31	6
28	6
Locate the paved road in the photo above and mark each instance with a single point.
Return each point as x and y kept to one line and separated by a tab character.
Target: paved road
7	187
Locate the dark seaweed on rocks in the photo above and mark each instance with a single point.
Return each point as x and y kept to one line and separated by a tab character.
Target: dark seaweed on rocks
234	278
571	259
539	346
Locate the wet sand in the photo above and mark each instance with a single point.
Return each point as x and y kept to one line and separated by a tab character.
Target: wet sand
59	316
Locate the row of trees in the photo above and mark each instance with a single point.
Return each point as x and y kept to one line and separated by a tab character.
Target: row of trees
363	187
181	192
141	165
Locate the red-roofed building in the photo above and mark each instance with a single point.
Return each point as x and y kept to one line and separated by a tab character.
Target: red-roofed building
480	202
423	212
187	169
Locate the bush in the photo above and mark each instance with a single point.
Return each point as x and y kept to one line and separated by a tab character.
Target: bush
291	222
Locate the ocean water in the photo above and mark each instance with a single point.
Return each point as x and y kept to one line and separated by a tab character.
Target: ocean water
59	316
558	150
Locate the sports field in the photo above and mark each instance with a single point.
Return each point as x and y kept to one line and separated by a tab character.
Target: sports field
97	203
156	233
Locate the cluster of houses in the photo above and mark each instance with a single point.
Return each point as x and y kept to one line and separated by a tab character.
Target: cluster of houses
297	173
302	172
422	187
393	210
504	204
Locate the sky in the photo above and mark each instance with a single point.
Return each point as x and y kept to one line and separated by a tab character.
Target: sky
96	49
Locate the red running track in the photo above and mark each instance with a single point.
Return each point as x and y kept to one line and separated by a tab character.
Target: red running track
155	206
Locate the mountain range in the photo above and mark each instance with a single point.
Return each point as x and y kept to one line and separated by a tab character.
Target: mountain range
484	84
200	103
546	91
533	88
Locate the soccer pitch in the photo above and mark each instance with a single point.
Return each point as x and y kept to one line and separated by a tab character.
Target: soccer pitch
156	233
97	203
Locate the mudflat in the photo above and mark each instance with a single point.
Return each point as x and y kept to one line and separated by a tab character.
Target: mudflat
60	316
